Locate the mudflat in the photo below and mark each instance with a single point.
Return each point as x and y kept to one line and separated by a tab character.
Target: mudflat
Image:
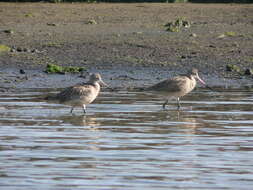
129	44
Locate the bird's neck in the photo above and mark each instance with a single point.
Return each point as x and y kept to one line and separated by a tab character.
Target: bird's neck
190	76
94	83
193	82
97	85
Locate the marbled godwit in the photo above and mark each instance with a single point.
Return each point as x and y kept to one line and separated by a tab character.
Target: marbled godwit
80	95
178	86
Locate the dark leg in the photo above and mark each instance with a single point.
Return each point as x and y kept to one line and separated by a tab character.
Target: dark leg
178	104
84	108
72	109
164	104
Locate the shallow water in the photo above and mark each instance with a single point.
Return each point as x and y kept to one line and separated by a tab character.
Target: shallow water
126	141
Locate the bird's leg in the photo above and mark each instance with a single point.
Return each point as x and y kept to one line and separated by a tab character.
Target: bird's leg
164	104
178	103
84	108
72	109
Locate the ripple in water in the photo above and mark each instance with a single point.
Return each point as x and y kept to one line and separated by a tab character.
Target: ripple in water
126	141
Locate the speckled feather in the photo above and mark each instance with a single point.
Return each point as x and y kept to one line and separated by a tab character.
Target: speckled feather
75	92
80	94
179	84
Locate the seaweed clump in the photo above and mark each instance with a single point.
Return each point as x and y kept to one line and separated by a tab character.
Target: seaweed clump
4	48
233	68
53	68
177	25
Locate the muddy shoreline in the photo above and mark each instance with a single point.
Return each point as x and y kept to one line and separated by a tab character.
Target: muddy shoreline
127	43
118	78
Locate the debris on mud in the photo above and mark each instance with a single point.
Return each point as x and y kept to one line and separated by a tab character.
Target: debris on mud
24	49
233	68
227	34
51	24
248	71
193	35
230	34
177	25
52	68
8	31
92	21
123	77
22	71
4	48
237	69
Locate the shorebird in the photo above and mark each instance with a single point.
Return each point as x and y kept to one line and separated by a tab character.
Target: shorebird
80	95
178	86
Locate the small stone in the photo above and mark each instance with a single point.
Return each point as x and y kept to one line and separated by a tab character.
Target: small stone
13	50
26	50
248	72
221	36
35	51
51	24
186	24
193	35
9	31
19	49
21	71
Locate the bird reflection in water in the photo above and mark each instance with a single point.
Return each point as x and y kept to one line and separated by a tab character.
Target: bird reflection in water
81	120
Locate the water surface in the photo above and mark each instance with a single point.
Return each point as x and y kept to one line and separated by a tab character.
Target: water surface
127	141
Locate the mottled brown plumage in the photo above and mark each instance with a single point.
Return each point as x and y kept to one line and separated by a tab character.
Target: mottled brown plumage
80	95
177	86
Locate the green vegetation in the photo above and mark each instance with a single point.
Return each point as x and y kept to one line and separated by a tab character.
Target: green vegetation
237	69
28	15
233	68
52	68
92	21
52	44
177	25
230	34
4	48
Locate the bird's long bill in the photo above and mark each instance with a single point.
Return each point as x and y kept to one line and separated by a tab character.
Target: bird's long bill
104	84
200	80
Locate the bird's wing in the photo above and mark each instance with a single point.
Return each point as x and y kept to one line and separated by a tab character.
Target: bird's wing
74	91
172	85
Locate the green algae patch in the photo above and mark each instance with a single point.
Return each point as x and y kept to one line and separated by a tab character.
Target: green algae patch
4	48
177	25
233	68
238	70
29	15
230	34
53	68
53	44
92	21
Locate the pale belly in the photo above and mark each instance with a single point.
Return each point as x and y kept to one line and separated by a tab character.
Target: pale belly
81	100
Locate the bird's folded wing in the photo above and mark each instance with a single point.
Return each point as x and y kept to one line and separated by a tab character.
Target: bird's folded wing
172	85
74	92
